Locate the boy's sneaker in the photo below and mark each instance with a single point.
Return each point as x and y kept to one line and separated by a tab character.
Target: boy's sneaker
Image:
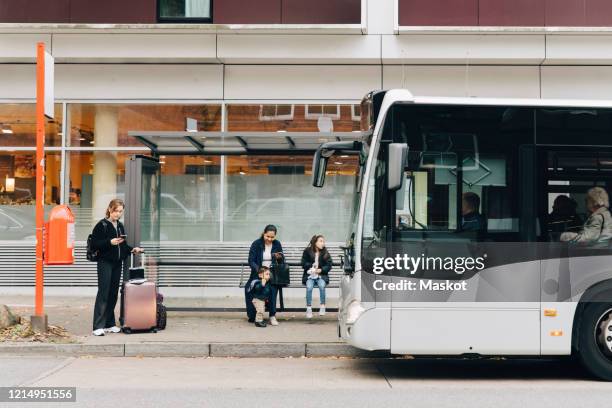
273	321
309	312
260	324
98	332
322	311
113	329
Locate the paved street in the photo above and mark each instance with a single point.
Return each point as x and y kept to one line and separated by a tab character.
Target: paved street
211	382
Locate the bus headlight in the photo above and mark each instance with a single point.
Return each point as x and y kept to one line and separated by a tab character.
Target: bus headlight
353	311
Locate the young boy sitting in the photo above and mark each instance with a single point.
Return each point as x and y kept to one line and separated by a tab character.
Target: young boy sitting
261	292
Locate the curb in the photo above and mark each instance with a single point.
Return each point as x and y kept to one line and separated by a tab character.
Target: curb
184	349
73	350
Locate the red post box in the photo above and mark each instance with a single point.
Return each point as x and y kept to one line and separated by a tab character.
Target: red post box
59	237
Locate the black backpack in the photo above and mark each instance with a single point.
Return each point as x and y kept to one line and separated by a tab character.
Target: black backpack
93	254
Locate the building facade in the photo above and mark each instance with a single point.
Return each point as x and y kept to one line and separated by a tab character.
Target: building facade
254	65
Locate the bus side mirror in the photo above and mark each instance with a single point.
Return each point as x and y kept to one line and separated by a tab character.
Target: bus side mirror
322	155
319	167
396	159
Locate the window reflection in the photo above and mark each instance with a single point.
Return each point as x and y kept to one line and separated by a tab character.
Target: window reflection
107	125
18	125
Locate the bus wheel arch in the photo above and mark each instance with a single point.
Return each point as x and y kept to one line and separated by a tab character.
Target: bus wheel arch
589	335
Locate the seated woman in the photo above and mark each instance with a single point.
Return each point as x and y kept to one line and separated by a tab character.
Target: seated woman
597	230
317	263
564	217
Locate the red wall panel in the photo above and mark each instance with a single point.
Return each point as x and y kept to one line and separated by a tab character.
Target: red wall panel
511	13
113	11
438	12
34	11
321	12
247	11
565	13
599	13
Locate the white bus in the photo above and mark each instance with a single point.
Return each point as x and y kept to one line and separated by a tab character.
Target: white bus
480	227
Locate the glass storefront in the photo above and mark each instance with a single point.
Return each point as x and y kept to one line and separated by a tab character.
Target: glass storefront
18	125
18	192
107	125
203	198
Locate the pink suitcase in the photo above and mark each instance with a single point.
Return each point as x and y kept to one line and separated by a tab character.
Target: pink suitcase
139	304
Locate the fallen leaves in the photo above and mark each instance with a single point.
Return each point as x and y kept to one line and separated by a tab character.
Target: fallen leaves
23	332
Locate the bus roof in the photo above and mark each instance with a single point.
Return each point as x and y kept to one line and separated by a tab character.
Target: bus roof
527	102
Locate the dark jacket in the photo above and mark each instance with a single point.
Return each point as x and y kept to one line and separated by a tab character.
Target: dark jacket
102	234
259	291
474	221
256	255
325	264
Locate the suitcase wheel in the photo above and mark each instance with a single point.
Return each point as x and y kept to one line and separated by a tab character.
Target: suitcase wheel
154	330
127	330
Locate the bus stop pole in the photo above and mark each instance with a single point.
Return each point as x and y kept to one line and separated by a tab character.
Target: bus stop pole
39	319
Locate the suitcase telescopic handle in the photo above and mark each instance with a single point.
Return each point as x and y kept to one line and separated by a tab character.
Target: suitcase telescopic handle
142	259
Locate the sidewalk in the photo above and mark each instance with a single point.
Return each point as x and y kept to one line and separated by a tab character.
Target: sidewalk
190	334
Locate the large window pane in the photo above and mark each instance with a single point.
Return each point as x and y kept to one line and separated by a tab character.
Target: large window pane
184	9
18	192
293	118
189	208
18	125
277	190
95	179
107	125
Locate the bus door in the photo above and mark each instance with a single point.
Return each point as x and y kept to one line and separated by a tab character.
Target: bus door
574	256
462	215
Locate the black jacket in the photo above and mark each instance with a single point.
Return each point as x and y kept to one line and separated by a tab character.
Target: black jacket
256	255
259	291
102	234
325	264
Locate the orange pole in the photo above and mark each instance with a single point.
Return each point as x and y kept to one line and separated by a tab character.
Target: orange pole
40	168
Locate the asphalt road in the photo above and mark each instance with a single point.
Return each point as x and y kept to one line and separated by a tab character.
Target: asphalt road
302	382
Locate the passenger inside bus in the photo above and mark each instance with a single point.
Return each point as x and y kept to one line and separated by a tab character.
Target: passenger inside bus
472	220
597	229
564	217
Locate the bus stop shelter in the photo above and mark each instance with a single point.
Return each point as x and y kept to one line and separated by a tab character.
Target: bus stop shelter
143	175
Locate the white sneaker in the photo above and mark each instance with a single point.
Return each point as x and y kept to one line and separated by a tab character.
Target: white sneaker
273	321
98	332
322	310
113	329
309	312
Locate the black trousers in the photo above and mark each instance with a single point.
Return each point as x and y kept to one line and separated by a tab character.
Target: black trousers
109	276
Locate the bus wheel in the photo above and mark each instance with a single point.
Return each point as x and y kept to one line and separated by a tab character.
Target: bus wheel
596	340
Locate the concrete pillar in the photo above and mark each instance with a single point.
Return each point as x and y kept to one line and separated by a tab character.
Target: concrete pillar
106	133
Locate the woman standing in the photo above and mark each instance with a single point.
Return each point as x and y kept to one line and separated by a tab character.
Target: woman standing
316	262
108	238
262	251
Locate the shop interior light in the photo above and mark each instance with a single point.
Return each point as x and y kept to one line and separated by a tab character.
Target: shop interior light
10	184
344	156
6	129
241	172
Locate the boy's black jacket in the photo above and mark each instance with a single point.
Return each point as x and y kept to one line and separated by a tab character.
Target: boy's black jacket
260	291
